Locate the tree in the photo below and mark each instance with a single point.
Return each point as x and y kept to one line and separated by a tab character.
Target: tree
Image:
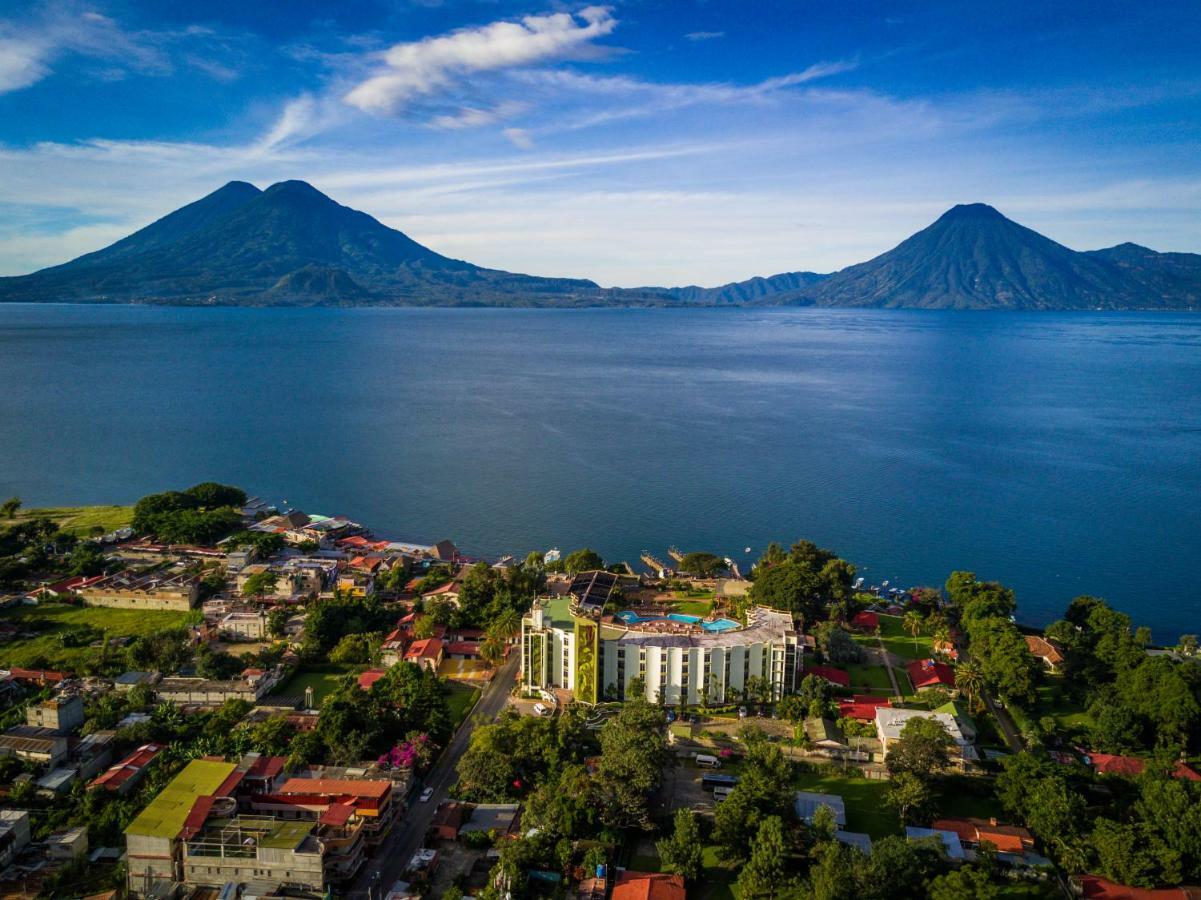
1005	661
912	623
210	495
681	853
705	565
833	875
923	748
1133	855
963	884
836	643
1187	645
9	507
260	584
764	790
970	680
764	873
561	806
907	794
355	649
633	753
815	698
582	560
277	621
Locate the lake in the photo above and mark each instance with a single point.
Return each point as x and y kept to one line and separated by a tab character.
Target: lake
1060	453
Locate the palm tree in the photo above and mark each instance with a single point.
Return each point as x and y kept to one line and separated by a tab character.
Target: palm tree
913	624
942	635
970	680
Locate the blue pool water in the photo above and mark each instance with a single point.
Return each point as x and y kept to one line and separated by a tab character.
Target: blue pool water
631	618
1057	452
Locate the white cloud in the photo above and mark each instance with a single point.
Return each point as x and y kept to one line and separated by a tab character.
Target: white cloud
705	35
471	117
423	67
519	137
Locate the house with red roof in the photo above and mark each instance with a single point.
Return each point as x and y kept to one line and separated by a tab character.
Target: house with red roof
1049	652
648	886
124	776
972	832
834	676
462	650
1132	766
335	801
370	677
865	621
862	707
929	673
426	653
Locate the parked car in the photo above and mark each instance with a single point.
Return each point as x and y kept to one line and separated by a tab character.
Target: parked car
426	794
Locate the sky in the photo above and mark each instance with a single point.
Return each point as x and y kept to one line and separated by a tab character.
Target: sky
634	143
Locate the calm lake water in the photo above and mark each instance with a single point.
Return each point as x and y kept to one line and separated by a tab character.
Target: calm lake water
1058	453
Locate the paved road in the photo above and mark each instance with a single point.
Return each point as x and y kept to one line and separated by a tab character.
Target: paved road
408	835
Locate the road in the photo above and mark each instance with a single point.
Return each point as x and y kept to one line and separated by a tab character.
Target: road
408	835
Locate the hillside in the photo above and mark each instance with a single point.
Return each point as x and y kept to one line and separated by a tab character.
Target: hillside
973	257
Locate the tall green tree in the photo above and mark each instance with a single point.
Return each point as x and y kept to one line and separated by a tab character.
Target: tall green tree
924	749
765	873
681	852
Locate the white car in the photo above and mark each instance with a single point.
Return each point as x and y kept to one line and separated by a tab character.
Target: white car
426	794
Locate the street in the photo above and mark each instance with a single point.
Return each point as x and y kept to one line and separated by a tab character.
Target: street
408	835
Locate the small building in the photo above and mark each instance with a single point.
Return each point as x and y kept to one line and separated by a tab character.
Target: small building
929	673
62	715
858	840
125	775
500	818
807	803
865	621
57	781
127	681
972	832
648	886
370	677
1094	887
1046	651
67	846
825	734
891	722
949	840
448	819
837	677
14	834
244	625
862	707
426	653
159	590
38	745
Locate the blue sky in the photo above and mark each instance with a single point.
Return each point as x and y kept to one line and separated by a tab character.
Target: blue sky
634	143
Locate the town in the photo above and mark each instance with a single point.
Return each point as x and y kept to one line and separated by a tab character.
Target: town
209	696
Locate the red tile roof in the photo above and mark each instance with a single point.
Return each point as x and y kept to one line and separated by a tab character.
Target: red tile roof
336	814
832	675
1006	838
367	788
926	673
266	767
196	817
647	886
1043	649
131	767
862	706
370	677
463	648
430	648
1109	764
868	621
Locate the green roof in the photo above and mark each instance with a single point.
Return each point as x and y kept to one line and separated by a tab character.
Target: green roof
557	612
164	816
286	835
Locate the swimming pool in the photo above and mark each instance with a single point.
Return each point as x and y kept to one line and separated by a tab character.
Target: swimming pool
630	618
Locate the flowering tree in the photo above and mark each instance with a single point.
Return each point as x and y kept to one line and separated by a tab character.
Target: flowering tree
414	752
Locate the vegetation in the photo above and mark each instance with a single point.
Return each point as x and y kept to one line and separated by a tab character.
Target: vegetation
202	514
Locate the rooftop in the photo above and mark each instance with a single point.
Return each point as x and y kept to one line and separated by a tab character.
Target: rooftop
164	816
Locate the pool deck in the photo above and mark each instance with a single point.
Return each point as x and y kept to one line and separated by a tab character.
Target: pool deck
762	624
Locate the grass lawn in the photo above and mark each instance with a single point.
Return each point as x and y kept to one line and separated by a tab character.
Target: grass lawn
460	699
962	795
864	801
692	607
717	877
322	681
59	618
874	678
897	640
1055	701
82	520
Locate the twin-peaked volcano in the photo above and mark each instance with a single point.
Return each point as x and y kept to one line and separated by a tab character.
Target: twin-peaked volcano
292	245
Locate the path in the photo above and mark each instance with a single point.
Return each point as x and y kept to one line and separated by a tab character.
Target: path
408	835
886	661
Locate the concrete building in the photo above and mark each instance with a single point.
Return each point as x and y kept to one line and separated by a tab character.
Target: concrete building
891	722
160	590
568	644
14	834
61	715
244	625
37	745
251	686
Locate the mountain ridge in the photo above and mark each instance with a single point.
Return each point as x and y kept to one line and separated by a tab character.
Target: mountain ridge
291	245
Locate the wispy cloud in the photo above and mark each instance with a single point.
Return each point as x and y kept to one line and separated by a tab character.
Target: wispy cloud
420	68
705	35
